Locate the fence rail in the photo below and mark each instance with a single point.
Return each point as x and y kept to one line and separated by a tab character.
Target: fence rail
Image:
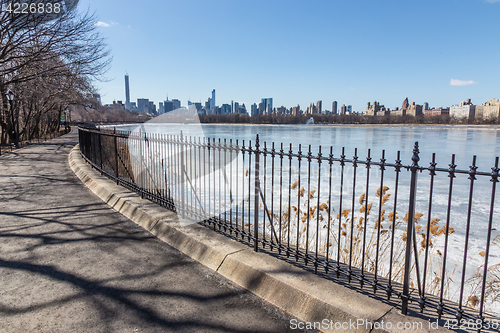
337	214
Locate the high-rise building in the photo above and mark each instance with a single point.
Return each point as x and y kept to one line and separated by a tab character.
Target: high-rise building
208	103
161	110
262	109
334	107
152	107
349	109
254	110
212	101
243	109
267	105
343	109
168	106
281	110
319	106
225	109
133	106
197	105
236	107
177	104
127	93
142	105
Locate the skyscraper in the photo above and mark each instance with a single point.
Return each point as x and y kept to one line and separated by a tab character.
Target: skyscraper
168	106
177	104
225	109
127	93
152	107
343	109
142	105
319	107
267	105
212	101
334	107
254	110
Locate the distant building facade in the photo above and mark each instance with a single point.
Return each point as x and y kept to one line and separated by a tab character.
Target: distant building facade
488	110
177	104
225	109
168	106
414	109
319	107
254	110
375	109
334	107
343	109
436	112
267	105
143	105
151	107
464	110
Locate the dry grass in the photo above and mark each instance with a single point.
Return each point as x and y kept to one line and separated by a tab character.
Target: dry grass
375	238
492	286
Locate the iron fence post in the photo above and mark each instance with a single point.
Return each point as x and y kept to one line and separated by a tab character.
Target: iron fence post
116	154
256	200
410	228
100	151
183	207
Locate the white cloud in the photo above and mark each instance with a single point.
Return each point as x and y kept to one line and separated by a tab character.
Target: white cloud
105	25
492	1
102	24
454	82
351	88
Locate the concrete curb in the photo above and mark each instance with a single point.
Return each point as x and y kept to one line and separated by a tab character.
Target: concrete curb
297	292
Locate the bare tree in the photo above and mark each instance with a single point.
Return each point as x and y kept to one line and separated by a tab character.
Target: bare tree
49	62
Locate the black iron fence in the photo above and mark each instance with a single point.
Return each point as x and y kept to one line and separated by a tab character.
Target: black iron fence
432	242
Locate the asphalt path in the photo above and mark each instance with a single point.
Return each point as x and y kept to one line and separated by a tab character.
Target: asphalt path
70	263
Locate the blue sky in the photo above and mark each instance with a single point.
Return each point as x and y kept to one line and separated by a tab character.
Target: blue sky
297	52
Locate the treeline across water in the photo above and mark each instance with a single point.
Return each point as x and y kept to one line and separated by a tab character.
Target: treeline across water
341	119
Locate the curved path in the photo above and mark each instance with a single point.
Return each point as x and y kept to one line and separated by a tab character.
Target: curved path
70	263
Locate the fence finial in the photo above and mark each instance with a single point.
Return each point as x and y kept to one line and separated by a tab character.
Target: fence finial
415	158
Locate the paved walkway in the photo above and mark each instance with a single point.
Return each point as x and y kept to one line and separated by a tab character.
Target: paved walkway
69	263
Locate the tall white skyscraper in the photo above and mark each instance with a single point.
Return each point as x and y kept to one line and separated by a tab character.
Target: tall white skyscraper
212	101
127	93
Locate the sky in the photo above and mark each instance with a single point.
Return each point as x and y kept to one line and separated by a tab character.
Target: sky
298	52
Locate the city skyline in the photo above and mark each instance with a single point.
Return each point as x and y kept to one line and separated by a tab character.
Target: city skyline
465	108
441	53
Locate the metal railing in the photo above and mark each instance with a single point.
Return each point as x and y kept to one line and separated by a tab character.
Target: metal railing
316	208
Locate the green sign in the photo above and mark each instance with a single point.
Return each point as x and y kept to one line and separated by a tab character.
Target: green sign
62	118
